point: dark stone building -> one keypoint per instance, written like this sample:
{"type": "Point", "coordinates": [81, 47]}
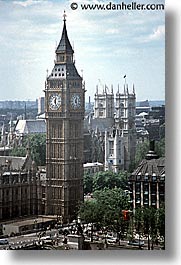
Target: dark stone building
{"type": "Point", "coordinates": [19, 187]}
{"type": "Point", "coordinates": [147, 182]}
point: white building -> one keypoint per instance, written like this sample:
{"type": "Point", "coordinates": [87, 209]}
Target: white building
{"type": "Point", "coordinates": [114, 117]}
{"type": "Point", "coordinates": [41, 105]}
{"type": "Point", "coordinates": [114, 150]}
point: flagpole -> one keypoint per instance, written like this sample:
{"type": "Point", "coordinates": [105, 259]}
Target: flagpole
{"type": "Point", "coordinates": [125, 80]}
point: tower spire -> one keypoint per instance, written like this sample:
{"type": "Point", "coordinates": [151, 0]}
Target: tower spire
{"type": "Point", "coordinates": [64, 16]}
{"type": "Point", "coordinates": [64, 44]}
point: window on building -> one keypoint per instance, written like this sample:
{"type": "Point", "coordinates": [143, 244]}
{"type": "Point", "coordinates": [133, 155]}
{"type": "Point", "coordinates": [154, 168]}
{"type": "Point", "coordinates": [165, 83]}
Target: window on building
{"type": "Point", "coordinates": [162, 178]}
{"type": "Point", "coordinates": [60, 58]}
{"type": "Point", "coordinates": [138, 177]}
{"type": "Point", "coordinates": [154, 178]}
{"type": "Point", "coordinates": [138, 187]}
{"type": "Point", "coordinates": [146, 177]}
{"type": "Point", "coordinates": [119, 151]}
{"type": "Point", "coordinates": [111, 147]}
{"type": "Point", "coordinates": [101, 113]}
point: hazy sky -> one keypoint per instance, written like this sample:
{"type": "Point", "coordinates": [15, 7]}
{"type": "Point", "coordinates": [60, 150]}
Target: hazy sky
{"type": "Point", "coordinates": [107, 44]}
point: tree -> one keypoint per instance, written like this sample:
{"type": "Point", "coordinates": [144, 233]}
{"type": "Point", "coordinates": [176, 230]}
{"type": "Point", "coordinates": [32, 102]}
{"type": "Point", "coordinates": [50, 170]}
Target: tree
{"type": "Point", "coordinates": [104, 179]}
{"type": "Point", "coordinates": [161, 223]}
{"type": "Point", "coordinates": [109, 179]}
{"type": "Point", "coordinates": [88, 183]}
{"type": "Point", "coordinates": [106, 208]}
{"type": "Point", "coordinates": [89, 211]}
{"type": "Point", "coordinates": [143, 148]}
{"type": "Point", "coordinates": [141, 151]}
{"type": "Point", "coordinates": [37, 145]}
{"type": "Point", "coordinates": [151, 223]}
{"type": "Point", "coordinates": [160, 147]}
{"type": "Point", "coordinates": [112, 202]}
{"type": "Point", "coordinates": [18, 151]}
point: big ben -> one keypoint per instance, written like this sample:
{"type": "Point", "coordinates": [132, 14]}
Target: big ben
{"type": "Point", "coordinates": [64, 104]}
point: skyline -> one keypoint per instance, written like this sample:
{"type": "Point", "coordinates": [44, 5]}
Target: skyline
{"type": "Point", "coordinates": [107, 45]}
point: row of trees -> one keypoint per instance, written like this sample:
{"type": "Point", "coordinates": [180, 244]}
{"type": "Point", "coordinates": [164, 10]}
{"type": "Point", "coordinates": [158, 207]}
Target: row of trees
{"type": "Point", "coordinates": [110, 199]}
{"type": "Point", "coordinates": [106, 211]}
{"type": "Point", "coordinates": [105, 179]}
{"type": "Point", "coordinates": [150, 222]}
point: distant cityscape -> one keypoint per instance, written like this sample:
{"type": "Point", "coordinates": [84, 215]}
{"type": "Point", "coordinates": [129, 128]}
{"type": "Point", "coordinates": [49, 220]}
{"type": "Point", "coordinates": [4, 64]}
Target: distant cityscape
{"type": "Point", "coordinates": [20, 104]}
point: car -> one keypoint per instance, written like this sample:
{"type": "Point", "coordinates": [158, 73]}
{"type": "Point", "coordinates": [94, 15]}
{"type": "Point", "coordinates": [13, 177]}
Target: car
{"type": "Point", "coordinates": [95, 238]}
{"type": "Point", "coordinates": [111, 239]}
{"type": "Point", "coordinates": [136, 242]}
{"type": "Point", "coordinates": [46, 238]}
{"type": "Point", "coordinates": [4, 242]}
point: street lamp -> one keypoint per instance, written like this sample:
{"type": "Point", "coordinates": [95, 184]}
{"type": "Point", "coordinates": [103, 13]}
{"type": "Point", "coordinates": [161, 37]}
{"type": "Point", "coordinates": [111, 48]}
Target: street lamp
{"type": "Point", "coordinates": [35, 226]}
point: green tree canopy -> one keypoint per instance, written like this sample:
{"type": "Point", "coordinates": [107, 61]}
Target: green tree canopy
{"type": "Point", "coordinates": [37, 145]}
{"type": "Point", "coordinates": [105, 208]}
{"type": "Point", "coordinates": [150, 222]}
{"type": "Point", "coordinates": [18, 151]}
{"type": "Point", "coordinates": [107, 179]}
{"type": "Point", "coordinates": [143, 148]}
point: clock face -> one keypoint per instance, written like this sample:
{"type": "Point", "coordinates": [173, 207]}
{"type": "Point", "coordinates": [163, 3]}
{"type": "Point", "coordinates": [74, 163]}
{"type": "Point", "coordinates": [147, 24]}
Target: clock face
{"type": "Point", "coordinates": [75, 101]}
{"type": "Point", "coordinates": [54, 101]}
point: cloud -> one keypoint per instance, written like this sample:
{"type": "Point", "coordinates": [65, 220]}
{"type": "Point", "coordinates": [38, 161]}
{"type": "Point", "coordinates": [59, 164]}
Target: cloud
{"type": "Point", "coordinates": [158, 33]}
{"type": "Point", "coordinates": [103, 40]}
{"type": "Point", "coordinates": [112, 31]}
{"type": "Point", "coordinates": [27, 2]}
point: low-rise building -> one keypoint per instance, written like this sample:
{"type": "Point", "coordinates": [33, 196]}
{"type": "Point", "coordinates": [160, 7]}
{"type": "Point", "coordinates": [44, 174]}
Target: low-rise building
{"type": "Point", "coordinates": [92, 168]}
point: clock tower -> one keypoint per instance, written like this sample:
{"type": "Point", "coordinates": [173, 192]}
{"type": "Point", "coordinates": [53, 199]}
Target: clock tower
{"type": "Point", "coordinates": [64, 104]}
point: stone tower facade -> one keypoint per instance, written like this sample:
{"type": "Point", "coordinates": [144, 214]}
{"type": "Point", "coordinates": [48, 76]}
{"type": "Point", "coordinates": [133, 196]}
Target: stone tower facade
{"type": "Point", "coordinates": [114, 117]}
{"type": "Point", "coordinates": [104, 104]}
{"type": "Point", "coordinates": [64, 104]}
{"type": "Point", "coordinates": [114, 150]}
{"type": "Point", "coordinates": [125, 107]}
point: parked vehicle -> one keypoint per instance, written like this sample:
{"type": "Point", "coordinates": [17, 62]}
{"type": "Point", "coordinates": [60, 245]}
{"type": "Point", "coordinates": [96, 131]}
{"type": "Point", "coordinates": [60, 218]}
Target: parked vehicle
{"type": "Point", "coordinates": [111, 239]}
{"type": "Point", "coordinates": [4, 242]}
{"type": "Point", "coordinates": [136, 242]}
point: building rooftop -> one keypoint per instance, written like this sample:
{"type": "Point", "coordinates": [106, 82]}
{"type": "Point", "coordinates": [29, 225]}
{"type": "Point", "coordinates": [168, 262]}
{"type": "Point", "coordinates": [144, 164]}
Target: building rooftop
{"type": "Point", "coordinates": [152, 164]}
{"type": "Point", "coordinates": [30, 126]}
{"type": "Point", "coordinates": [150, 167]}
{"type": "Point", "coordinates": [92, 164]}
{"type": "Point", "coordinates": [64, 44]}
{"type": "Point", "coordinates": [15, 163]}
